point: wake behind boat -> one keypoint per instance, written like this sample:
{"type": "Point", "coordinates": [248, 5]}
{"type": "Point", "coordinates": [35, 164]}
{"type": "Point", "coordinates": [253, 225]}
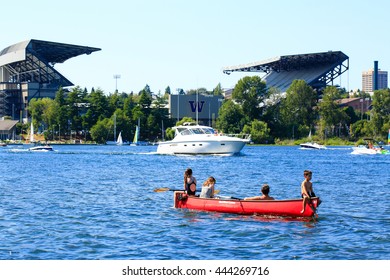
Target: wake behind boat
{"type": "Point", "coordinates": [198, 139]}
{"type": "Point", "coordinates": [283, 208]}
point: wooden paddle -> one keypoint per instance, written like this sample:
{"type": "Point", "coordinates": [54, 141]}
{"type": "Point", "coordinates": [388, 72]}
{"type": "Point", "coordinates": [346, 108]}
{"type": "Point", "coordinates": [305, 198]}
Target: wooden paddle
{"type": "Point", "coordinates": [174, 190]}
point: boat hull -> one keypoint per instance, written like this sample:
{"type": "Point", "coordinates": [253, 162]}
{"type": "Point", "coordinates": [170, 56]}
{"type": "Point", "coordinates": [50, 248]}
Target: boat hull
{"type": "Point", "coordinates": [206, 146]}
{"type": "Point", "coordinates": [41, 149]}
{"type": "Point", "coordinates": [361, 150]}
{"type": "Point", "coordinates": [312, 146]}
{"type": "Point", "coordinates": [284, 208]}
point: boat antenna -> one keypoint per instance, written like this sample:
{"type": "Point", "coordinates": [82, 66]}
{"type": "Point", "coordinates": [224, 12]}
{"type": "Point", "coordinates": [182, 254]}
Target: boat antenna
{"type": "Point", "coordinates": [114, 127]}
{"type": "Point", "coordinates": [197, 105]}
{"type": "Point", "coordinates": [178, 103]}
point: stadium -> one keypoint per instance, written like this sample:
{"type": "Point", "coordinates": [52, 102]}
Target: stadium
{"type": "Point", "coordinates": [27, 71]}
{"type": "Point", "coordinates": [318, 70]}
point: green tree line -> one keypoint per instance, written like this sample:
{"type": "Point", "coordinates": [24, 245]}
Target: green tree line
{"type": "Point", "coordinates": [271, 117]}
{"type": "Point", "coordinates": [92, 116]}
{"type": "Point", "coordinates": [265, 113]}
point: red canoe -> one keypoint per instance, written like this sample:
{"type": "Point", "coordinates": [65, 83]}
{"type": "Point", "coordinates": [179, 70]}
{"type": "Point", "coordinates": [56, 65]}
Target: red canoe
{"type": "Point", "coordinates": [286, 208]}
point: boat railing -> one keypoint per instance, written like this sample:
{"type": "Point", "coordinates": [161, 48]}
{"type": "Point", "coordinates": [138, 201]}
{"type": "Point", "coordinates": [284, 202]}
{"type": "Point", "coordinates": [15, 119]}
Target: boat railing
{"type": "Point", "coordinates": [239, 135]}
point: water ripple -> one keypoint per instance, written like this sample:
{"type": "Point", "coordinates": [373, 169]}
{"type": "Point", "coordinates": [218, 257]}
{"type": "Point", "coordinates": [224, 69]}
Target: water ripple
{"type": "Point", "coordinates": [97, 202]}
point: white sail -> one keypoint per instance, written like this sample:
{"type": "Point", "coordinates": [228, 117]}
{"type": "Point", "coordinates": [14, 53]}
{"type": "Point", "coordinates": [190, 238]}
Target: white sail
{"type": "Point", "coordinates": [32, 132]}
{"type": "Point", "coordinates": [136, 135]}
{"type": "Point", "coordinates": [119, 141]}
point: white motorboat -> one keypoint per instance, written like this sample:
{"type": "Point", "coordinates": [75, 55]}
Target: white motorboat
{"type": "Point", "coordinates": [312, 145]}
{"type": "Point", "coordinates": [364, 150]}
{"type": "Point", "coordinates": [45, 148]}
{"type": "Point", "coordinates": [198, 139]}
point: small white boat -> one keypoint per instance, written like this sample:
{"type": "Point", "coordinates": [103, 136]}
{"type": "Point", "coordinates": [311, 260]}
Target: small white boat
{"type": "Point", "coordinates": [364, 150]}
{"type": "Point", "coordinates": [197, 139]}
{"type": "Point", "coordinates": [44, 148]}
{"type": "Point", "coordinates": [312, 145]}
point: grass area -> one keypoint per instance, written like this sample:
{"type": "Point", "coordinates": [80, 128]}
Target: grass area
{"type": "Point", "coordinates": [327, 142]}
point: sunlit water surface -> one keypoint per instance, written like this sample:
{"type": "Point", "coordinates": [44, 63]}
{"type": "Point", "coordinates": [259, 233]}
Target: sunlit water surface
{"type": "Point", "coordinates": [97, 202]}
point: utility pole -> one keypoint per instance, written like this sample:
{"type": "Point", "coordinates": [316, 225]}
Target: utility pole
{"type": "Point", "coordinates": [116, 77]}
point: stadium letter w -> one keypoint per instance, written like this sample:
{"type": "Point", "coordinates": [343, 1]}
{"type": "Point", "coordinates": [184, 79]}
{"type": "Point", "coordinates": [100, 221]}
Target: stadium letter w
{"type": "Point", "coordinates": [193, 106]}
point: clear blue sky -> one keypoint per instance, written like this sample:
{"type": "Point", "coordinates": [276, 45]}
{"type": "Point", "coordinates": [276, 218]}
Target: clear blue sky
{"type": "Point", "coordinates": [185, 44]}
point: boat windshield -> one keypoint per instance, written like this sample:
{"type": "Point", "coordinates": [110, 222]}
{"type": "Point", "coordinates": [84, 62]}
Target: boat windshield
{"type": "Point", "coordinates": [184, 131]}
{"type": "Point", "coordinates": [208, 130]}
{"type": "Point", "coordinates": [197, 131]}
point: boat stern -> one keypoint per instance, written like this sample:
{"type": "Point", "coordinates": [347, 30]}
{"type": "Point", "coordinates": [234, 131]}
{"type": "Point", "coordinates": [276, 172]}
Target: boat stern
{"type": "Point", "coordinates": [179, 199]}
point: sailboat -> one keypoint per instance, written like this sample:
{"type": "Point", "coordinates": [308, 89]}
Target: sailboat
{"type": "Point", "coordinates": [32, 132]}
{"type": "Point", "coordinates": [136, 137]}
{"type": "Point", "coordinates": [119, 141]}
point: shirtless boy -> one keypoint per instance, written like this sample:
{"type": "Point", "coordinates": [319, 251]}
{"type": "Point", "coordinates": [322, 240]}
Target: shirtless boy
{"type": "Point", "coordinates": [265, 196]}
{"type": "Point", "coordinates": [307, 189]}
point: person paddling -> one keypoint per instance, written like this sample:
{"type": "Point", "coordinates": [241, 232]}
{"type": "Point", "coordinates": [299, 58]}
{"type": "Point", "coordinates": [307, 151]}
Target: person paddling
{"type": "Point", "coordinates": [189, 182]}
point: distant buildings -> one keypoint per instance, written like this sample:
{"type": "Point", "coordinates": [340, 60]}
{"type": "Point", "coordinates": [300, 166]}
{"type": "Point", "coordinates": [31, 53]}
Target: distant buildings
{"type": "Point", "coordinates": [374, 79]}
{"type": "Point", "coordinates": [201, 107]}
{"type": "Point", "coordinates": [357, 103]}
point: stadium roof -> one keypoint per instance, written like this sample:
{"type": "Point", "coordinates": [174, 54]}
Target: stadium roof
{"type": "Point", "coordinates": [317, 69]}
{"type": "Point", "coordinates": [33, 61]}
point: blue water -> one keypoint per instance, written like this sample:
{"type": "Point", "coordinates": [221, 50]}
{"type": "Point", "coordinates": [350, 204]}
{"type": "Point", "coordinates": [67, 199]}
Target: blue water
{"type": "Point", "coordinates": [97, 202]}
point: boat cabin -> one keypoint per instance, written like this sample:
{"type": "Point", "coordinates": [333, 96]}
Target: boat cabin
{"type": "Point", "coordinates": [190, 129]}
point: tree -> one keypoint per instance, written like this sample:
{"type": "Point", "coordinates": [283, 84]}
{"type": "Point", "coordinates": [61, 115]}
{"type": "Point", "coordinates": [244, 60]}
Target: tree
{"type": "Point", "coordinates": [381, 112]}
{"type": "Point", "coordinates": [250, 92]}
{"type": "Point", "coordinates": [128, 106]}
{"type": "Point", "coordinates": [145, 100]}
{"type": "Point", "coordinates": [218, 90]}
{"type": "Point", "coordinates": [362, 128]}
{"type": "Point", "coordinates": [167, 90]}
{"type": "Point", "coordinates": [62, 110]}
{"type": "Point", "coordinates": [297, 109]}
{"type": "Point", "coordinates": [75, 102]}
{"type": "Point", "coordinates": [231, 117]}
{"type": "Point", "coordinates": [259, 131]}
{"type": "Point", "coordinates": [115, 101]}
{"type": "Point", "coordinates": [43, 112]}
{"type": "Point", "coordinates": [271, 114]}
{"type": "Point", "coordinates": [98, 107]}
{"type": "Point", "coordinates": [331, 115]}
{"type": "Point", "coordinates": [101, 130]}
